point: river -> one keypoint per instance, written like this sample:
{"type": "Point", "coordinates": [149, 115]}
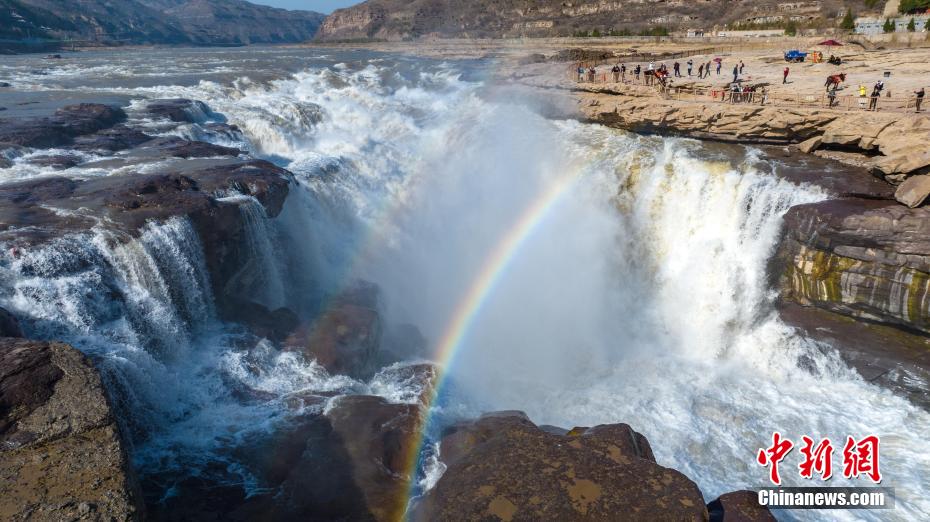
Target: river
{"type": "Point", "coordinates": [619, 278]}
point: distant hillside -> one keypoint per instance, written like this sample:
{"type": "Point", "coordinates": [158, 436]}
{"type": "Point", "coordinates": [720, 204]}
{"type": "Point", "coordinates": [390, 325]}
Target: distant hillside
{"type": "Point", "coordinates": [202, 22]}
{"type": "Point", "coordinates": [403, 19]}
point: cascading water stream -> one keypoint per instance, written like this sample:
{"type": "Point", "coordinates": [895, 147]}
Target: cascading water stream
{"type": "Point", "coordinates": [640, 295]}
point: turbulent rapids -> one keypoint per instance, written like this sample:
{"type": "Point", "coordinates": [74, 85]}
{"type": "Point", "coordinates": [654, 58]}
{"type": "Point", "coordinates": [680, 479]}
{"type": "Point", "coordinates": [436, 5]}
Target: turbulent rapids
{"type": "Point", "coordinates": [580, 274]}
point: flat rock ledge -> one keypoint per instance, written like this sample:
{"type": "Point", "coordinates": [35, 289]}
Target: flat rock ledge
{"type": "Point", "coordinates": [891, 145]}
{"type": "Point", "coordinates": [61, 456]}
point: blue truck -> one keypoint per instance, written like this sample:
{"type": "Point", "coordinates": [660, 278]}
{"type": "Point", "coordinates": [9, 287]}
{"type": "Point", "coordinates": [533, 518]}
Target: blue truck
{"type": "Point", "coordinates": [795, 55]}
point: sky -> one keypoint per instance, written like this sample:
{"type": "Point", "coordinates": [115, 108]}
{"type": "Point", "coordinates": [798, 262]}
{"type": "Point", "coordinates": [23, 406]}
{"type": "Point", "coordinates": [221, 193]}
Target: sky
{"type": "Point", "coordinates": [321, 6]}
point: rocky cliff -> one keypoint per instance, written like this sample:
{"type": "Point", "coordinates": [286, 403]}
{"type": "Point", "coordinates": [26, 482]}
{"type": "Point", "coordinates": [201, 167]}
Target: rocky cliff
{"type": "Point", "coordinates": [155, 21]}
{"type": "Point", "coordinates": [402, 19]}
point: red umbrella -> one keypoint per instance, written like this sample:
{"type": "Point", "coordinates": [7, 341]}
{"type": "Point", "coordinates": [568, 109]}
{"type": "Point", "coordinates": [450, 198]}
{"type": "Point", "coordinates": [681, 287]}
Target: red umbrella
{"type": "Point", "coordinates": [718, 59]}
{"type": "Point", "coordinates": [830, 43]}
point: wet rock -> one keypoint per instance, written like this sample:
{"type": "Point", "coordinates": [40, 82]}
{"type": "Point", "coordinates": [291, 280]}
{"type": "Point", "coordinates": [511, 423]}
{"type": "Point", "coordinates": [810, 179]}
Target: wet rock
{"type": "Point", "coordinates": [739, 506]}
{"type": "Point", "coordinates": [346, 336]}
{"type": "Point", "coordinates": [61, 456]}
{"type": "Point", "coordinates": [274, 325]}
{"type": "Point", "coordinates": [60, 129]}
{"type": "Point", "coordinates": [112, 140]}
{"type": "Point", "coordinates": [181, 148]}
{"type": "Point", "coordinates": [180, 110]}
{"type": "Point", "coordinates": [914, 191]}
{"type": "Point", "coordinates": [884, 355]}
{"type": "Point", "coordinates": [350, 464]}
{"type": "Point", "coordinates": [58, 161]}
{"type": "Point", "coordinates": [9, 324]}
{"type": "Point", "coordinates": [867, 259]}
{"type": "Point", "coordinates": [504, 467]}
{"type": "Point", "coordinates": [405, 382]}
{"type": "Point", "coordinates": [127, 202]}
{"type": "Point", "coordinates": [4, 85]}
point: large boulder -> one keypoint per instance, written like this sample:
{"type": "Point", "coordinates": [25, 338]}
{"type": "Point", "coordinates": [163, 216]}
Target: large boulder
{"type": "Point", "coordinates": [346, 336]}
{"type": "Point", "coordinates": [61, 128]}
{"type": "Point", "coordinates": [914, 191]}
{"type": "Point", "coordinates": [504, 467]}
{"type": "Point", "coordinates": [351, 463]}
{"type": "Point", "coordinates": [61, 456]}
{"type": "Point", "coordinates": [739, 506]}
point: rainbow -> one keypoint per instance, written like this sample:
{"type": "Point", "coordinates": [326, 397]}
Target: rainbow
{"type": "Point", "coordinates": [471, 304]}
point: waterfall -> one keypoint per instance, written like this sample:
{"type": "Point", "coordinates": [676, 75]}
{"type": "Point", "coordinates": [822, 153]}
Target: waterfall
{"type": "Point", "coordinates": [640, 295]}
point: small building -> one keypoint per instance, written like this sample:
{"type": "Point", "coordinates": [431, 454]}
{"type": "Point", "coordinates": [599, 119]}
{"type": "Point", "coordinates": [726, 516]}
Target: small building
{"type": "Point", "coordinates": [695, 33]}
{"type": "Point", "coordinates": [757, 33]}
{"type": "Point", "coordinates": [870, 25]}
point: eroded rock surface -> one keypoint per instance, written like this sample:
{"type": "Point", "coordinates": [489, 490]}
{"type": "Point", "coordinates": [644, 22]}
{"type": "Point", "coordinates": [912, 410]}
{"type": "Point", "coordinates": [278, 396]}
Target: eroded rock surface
{"type": "Point", "coordinates": [61, 456]}
{"type": "Point", "coordinates": [504, 467]}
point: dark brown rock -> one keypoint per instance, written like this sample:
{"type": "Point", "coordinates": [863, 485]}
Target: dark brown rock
{"type": "Point", "coordinates": [503, 467]}
{"type": "Point", "coordinates": [739, 506]}
{"type": "Point", "coordinates": [180, 110]}
{"type": "Point", "coordinates": [58, 162]}
{"type": "Point", "coordinates": [181, 148]}
{"type": "Point", "coordinates": [129, 201]}
{"type": "Point", "coordinates": [115, 139]}
{"type": "Point", "coordinates": [60, 129]}
{"type": "Point", "coordinates": [346, 336]}
{"type": "Point", "coordinates": [350, 464]}
{"type": "Point", "coordinates": [884, 355]}
{"type": "Point", "coordinates": [9, 325]}
{"type": "Point", "coordinates": [274, 325]}
{"type": "Point", "coordinates": [61, 456]}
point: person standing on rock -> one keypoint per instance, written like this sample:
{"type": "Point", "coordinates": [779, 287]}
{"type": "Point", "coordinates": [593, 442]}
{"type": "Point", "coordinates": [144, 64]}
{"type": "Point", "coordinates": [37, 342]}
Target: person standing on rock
{"type": "Point", "coordinates": [919, 98]}
{"type": "Point", "coordinates": [741, 65]}
{"type": "Point", "coordinates": [616, 71]}
{"type": "Point", "coordinates": [719, 66]}
{"type": "Point", "coordinates": [707, 70]}
{"type": "Point", "coordinates": [831, 95]}
{"type": "Point", "coordinates": [580, 72]}
{"type": "Point", "coordinates": [677, 68]}
{"type": "Point", "coordinates": [735, 73]}
{"type": "Point", "coordinates": [623, 72]}
{"type": "Point", "coordinates": [876, 93]}
{"type": "Point", "coordinates": [636, 72]}
{"type": "Point", "coordinates": [690, 66]}
{"type": "Point", "coordinates": [784, 79]}
{"type": "Point", "coordinates": [701, 71]}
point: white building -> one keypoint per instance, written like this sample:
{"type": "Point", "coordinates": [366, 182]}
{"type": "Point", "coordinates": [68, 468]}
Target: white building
{"type": "Point", "coordinates": [869, 25]}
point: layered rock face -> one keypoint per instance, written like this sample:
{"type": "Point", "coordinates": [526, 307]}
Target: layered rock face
{"type": "Point", "coordinates": [868, 259]}
{"type": "Point", "coordinates": [504, 467]}
{"type": "Point", "coordinates": [61, 457]}
{"type": "Point", "coordinates": [398, 19]}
